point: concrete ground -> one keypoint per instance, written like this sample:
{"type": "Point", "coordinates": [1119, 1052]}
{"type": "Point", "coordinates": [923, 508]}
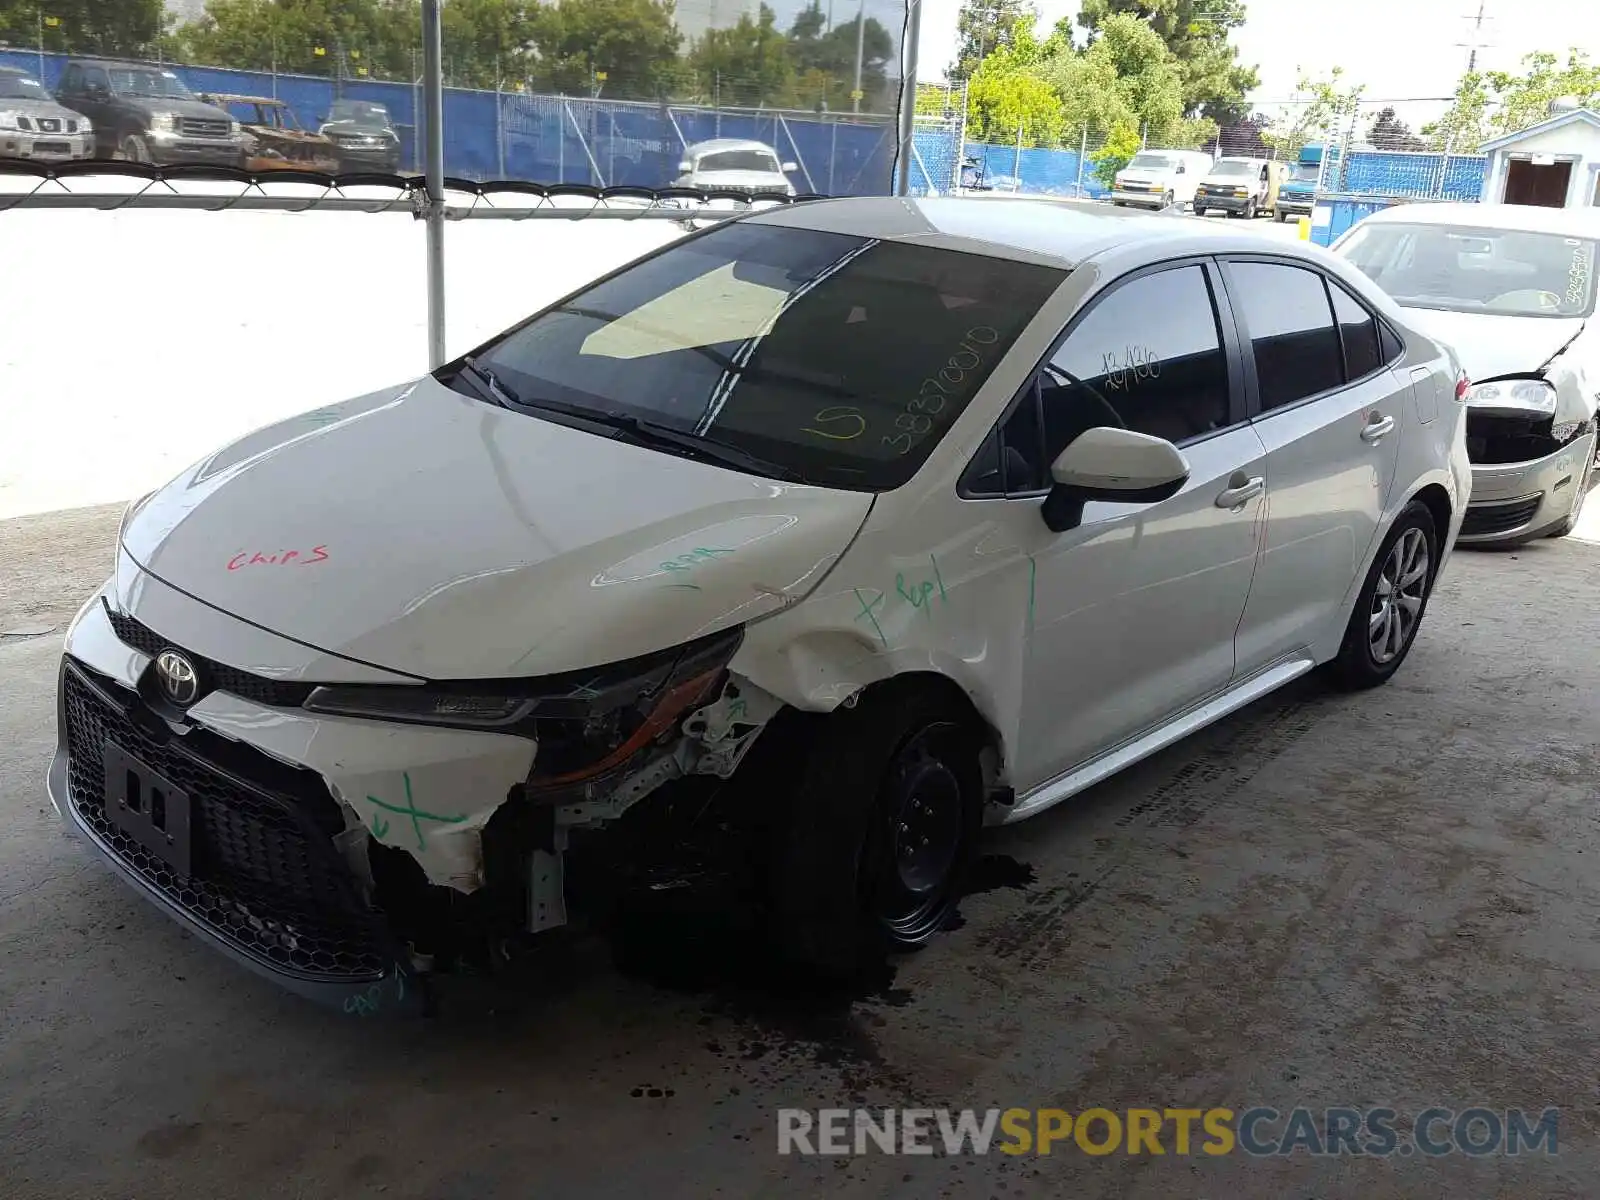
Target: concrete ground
{"type": "Point", "coordinates": [1386, 899]}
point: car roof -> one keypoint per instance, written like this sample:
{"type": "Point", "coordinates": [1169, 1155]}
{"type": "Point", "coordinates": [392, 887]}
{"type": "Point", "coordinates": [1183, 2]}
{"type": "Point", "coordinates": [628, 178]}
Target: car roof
{"type": "Point", "coordinates": [728, 144]}
{"type": "Point", "coordinates": [121, 64]}
{"type": "Point", "coordinates": [233, 99]}
{"type": "Point", "coordinates": [18, 71]}
{"type": "Point", "coordinates": [1525, 217]}
{"type": "Point", "coordinates": [1062, 232]}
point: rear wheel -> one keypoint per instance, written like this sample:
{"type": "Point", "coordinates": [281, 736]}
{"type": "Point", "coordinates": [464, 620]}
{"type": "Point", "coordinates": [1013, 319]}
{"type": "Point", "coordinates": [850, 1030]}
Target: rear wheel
{"type": "Point", "coordinates": [881, 830]}
{"type": "Point", "coordinates": [1391, 603]}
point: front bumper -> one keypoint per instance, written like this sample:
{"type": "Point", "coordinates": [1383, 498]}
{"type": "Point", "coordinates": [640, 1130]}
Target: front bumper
{"type": "Point", "coordinates": [1301, 205]}
{"type": "Point", "coordinates": [1221, 203]}
{"type": "Point", "coordinates": [46, 147]}
{"type": "Point", "coordinates": [1144, 199]}
{"type": "Point", "coordinates": [369, 158]}
{"type": "Point", "coordinates": [275, 876]}
{"type": "Point", "coordinates": [216, 152]}
{"type": "Point", "coordinates": [1517, 502]}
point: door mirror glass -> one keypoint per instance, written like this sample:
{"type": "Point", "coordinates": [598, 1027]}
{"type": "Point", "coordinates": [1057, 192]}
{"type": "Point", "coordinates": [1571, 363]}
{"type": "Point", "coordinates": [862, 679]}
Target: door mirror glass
{"type": "Point", "coordinates": [684, 167]}
{"type": "Point", "coordinates": [789, 166]}
{"type": "Point", "coordinates": [1120, 465]}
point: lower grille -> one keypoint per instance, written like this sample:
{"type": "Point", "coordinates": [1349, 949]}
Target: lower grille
{"type": "Point", "coordinates": [52, 148]}
{"type": "Point", "coordinates": [1499, 518]}
{"type": "Point", "coordinates": [266, 877]}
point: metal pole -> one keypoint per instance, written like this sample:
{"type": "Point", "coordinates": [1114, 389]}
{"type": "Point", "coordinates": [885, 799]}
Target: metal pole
{"type": "Point", "coordinates": [433, 139]}
{"type": "Point", "coordinates": [1017, 169]}
{"type": "Point", "coordinates": [499, 124]}
{"type": "Point", "coordinates": [1083, 154]}
{"type": "Point", "coordinates": [908, 99]}
{"type": "Point", "coordinates": [861, 40]}
{"type": "Point", "coordinates": [41, 45]}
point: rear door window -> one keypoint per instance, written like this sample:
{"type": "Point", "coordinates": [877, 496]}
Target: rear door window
{"type": "Point", "coordinates": [1358, 334]}
{"type": "Point", "coordinates": [1286, 312]}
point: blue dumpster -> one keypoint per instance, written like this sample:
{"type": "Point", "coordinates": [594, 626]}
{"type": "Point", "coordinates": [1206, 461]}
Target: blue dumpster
{"type": "Point", "coordinates": [1334, 213]}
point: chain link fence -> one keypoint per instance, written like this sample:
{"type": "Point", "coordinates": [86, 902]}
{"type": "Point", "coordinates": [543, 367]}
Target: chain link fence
{"type": "Point", "coordinates": [570, 102]}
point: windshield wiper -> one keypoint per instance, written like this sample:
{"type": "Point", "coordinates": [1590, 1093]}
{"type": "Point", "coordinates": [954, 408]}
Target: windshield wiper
{"type": "Point", "coordinates": [487, 384]}
{"type": "Point", "coordinates": [649, 433]}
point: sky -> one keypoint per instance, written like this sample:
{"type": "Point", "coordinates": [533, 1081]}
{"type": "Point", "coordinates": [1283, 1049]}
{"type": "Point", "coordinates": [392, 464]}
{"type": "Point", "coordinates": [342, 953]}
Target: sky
{"type": "Point", "coordinates": [1398, 48]}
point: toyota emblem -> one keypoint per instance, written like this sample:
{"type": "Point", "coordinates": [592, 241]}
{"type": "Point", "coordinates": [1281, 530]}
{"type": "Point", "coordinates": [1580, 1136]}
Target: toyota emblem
{"type": "Point", "coordinates": [179, 680]}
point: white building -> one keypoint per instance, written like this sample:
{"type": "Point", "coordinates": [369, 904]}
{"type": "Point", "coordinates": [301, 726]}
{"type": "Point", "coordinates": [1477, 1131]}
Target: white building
{"type": "Point", "coordinates": [1555, 163]}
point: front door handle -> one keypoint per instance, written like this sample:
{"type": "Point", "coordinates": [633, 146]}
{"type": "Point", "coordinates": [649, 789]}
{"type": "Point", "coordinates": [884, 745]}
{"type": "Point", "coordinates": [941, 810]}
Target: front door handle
{"type": "Point", "coordinates": [1376, 427]}
{"type": "Point", "coordinates": [1241, 491]}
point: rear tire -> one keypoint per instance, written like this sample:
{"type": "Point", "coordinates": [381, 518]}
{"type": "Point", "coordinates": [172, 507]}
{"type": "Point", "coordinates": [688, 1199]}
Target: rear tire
{"type": "Point", "coordinates": [880, 832]}
{"type": "Point", "coordinates": [1391, 604]}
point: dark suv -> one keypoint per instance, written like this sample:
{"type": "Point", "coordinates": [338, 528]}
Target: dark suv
{"type": "Point", "coordinates": [143, 113]}
{"type": "Point", "coordinates": [364, 135]}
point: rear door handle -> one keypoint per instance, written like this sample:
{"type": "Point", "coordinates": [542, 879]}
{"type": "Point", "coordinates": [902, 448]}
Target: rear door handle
{"type": "Point", "coordinates": [1376, 428]}
{"type": "Point", "coordinates": [1241, 494]}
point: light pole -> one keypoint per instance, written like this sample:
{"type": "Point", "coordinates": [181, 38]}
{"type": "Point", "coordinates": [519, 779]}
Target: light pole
{"type": "Point", "coordinates": [433, 142]}
{"type": "Point", "coordinates": [861, 41]}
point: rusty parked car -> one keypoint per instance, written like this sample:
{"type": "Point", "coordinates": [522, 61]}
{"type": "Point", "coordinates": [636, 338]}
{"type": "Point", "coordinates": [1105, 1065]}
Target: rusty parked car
{"type": "Point", "coordinates": [278, 141]}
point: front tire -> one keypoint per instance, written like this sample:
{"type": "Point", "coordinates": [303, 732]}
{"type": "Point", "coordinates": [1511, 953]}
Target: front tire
{"type": "Point", "coordinates": [133, 149]}
{"type": "Point", "coordinates": [1199, 211]}
{"type": "Point", "coordinates": [1392, 601]}
{"type": "Point", "coordinates": [1168, 200]}
{"type": "Point", "coordinates": [881, 830]}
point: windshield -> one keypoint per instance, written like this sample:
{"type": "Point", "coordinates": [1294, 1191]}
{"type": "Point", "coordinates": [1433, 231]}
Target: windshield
{"type": "Point", "coordinates": [837, 359]}
{"type": "Point", "coordinates": [1305, 172]}
{"type": "Point", "coordinates": [1149, 162]}
{"type": "Point", "coordinates": [1497, 272]}
{"type": "Point", "coordinates": [20, 87]}
{"type": "Point", "coordinates": [1233, 167]}
{"type": "Point", "coordinates": [360, 112]}
{"type": "Point", "coordinates": [137, 81]}
{"type": "Point", "coordinates": [738, 160]}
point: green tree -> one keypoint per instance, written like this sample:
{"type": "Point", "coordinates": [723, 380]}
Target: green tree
{"type": "Point", "coordinates": [82, 26]}
{"type": "Point", "coordinates": [314, 37]}
{"type": "Point", "coordinates": [983, 26]}
{"type": "Point", "coordinates": [1214, 83]}
{"type": "Point", "coordinates": [746, 65]}
{"type": "Point", "coordinates": [1325, 114]}
{"type": "Point", "coordinates": [1120, 146]}
{"type": "Point", "coordinates": [1464, 125]}
{"type": "Point", "coordinates": [825, 62]}
{"type": "Point", "coordinates": [1523, 98]}
{"type": "Point", "coordinates": [1009, 95]}
{"type": "Point", "coordinates": [634, 43]}
{"type": "Point", "coordinates": [1149, 80]}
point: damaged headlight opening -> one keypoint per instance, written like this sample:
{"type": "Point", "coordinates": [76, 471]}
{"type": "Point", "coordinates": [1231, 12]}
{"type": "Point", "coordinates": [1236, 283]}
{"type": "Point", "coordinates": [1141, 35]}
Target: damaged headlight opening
{"type": "Point", "coordinates": [1522, 395]}
{"type": "Point", "coordinates": [585, 722]}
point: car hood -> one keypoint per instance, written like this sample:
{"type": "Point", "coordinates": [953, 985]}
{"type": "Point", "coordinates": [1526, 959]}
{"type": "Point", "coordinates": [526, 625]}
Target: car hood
{"type": "Point", "coordinates": [1492, 346]}
{"type": "Point", "coordinates": [426, 532]}
{"type": "Point", "coordinates": [150, 105]}
{"type": "Point", "coordinates": [41, 108]}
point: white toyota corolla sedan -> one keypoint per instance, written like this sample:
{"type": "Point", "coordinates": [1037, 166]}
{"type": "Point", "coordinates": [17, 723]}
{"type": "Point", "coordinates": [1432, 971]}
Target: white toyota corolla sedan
{"type": "Point", "coordinates": [861, 522]}
{"type": "Point", "coordinates": [1511, 287]}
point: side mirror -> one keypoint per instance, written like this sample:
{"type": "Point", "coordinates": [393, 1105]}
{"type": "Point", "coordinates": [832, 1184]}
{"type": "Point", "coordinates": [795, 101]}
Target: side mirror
{"type": "Point", "coordinates": [322, 120]}
{"type": "Point", "coordinates": [1111, 464]}
{"type": "Point", "coordinates": [789, 166]}
{"type": "Point", "coordinates": [684, 168]}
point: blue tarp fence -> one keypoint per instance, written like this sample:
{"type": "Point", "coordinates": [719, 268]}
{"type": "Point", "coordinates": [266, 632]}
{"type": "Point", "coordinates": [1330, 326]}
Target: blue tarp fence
{"type": "Point", "coordinates": [554, 139]}
{"type": "Point", "coordinates": [1365, 172]}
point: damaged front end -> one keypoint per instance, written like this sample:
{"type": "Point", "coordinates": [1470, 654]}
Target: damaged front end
{"type": "Point", "coordinates": [604, 740]}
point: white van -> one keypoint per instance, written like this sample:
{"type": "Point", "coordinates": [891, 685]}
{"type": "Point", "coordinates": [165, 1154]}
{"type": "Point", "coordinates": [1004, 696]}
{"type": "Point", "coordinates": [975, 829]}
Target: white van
{"type": "Point", "coordinates": [1241, 187]}
{"type": "Point", "coordinates": [1158, 178]}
